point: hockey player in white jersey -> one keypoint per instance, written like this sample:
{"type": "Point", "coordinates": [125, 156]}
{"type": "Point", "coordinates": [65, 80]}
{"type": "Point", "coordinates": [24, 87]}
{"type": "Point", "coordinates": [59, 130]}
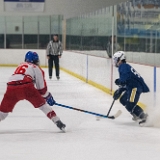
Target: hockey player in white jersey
{"type": "Point", "coordinates": [28, 82]}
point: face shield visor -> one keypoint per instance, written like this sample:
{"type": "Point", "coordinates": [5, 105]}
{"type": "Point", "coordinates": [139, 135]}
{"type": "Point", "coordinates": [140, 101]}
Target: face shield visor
{"type": "Point", "coordinates": [115, 61]}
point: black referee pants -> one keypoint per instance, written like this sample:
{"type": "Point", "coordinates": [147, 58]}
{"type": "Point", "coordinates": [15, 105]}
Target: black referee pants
{"type": "Point", "coordinates": [54, 59]}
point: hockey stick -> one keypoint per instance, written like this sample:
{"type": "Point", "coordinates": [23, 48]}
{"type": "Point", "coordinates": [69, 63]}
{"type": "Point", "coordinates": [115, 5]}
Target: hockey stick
{"type": "Point", "coordinates": [110, 108]}
{"type": "Point", "coordinates": [93, 113]}
{"type": "Point", "coordinates": [114, 116]}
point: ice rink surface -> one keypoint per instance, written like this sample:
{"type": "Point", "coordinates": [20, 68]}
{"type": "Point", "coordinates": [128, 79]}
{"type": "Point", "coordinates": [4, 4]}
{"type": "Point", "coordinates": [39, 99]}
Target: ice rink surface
{"type": "Point", "coordinates": [26, 134]}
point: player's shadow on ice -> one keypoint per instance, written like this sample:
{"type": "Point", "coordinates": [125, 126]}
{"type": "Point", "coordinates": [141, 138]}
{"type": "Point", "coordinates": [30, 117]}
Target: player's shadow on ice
{"type": "Point", "coordinates": [29, 131]}
{"type": "Point", "coordinates": [130, 124]}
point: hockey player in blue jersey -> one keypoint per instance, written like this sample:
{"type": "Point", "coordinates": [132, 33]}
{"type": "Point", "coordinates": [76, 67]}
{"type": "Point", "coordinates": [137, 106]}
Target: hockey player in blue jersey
{"type": "Point", "coordinates": [131, 84]}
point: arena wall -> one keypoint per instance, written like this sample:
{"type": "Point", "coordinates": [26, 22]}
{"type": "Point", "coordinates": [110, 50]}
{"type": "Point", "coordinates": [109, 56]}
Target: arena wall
{"type": "Point", "coordinates": [94, 70]}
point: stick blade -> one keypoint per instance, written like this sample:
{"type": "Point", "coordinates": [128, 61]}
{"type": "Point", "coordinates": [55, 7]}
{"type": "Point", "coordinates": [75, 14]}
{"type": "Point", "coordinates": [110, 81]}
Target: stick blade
{"type": "Point", "coordinates": [119, 112]}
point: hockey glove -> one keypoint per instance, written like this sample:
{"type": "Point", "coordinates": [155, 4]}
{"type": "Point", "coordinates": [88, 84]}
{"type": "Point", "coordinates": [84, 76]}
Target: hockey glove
{"type": "Point", "coordinates": [117, 94]}
{"type": "Point", "coordinates": [49, 99]}
{"type": "Point", "coordinates": [119, 83]}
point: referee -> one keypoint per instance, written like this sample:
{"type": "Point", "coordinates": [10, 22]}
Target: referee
{"type": "Point", "coordinates": [54, 52]}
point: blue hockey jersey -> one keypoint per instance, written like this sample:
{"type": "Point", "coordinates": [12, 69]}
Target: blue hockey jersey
{"type": "Point", "coordinates": [131, 78]}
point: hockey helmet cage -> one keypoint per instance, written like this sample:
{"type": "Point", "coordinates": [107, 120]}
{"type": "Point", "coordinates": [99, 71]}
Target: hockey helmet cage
{"type": "Point", "coordinates": [119, 55]}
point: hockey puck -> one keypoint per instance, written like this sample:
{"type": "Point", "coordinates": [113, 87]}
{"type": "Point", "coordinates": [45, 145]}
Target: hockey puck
{"type": "Point", "coordinates": [97, 118]}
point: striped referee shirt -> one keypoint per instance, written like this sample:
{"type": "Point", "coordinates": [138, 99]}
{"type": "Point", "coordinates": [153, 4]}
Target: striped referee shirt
{"type": "Point", "coordinates": [54, 48]}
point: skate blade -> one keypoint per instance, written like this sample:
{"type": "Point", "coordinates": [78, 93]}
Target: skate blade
{"type": "Point", "coordinates": [63, 130]}
{"type": "Point", "coordinates": [142, 123]}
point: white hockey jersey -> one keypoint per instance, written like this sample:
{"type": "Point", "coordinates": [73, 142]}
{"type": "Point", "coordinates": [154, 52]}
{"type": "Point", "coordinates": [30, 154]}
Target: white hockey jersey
{"type": "Point", "coordinates": [28, 72]}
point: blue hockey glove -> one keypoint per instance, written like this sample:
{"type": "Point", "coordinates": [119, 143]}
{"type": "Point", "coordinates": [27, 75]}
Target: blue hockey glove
{"type": "Point", "coordinates": [117, 94]}
{"type": "Point", "coordinates": [50, 100]}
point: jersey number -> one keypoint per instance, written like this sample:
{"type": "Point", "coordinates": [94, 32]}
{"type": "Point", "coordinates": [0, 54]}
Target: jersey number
{"type": "Point", "coordinates": [21, 69]}
{"type": "Point", "coordinates": [135, 72]}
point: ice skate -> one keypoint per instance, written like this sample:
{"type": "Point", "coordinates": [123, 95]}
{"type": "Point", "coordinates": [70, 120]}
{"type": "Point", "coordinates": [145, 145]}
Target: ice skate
{"type": "Point", "coordinates": [60, 125]}
{"type": "Point", "coordinates": [135, 118]}
{"type": "Point", "coordinates": [143, 120]}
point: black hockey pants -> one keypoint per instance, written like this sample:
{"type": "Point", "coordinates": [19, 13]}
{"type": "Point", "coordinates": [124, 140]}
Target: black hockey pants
{"type": "Point", "coordinates": [50, 65]}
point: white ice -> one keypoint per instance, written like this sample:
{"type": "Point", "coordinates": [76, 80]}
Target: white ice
{"type": "Point", "coordinates": [26, 134]}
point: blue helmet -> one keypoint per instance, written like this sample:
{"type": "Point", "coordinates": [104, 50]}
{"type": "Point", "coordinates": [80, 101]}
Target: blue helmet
{"type": "Point", "coordinates": [32, 57]}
